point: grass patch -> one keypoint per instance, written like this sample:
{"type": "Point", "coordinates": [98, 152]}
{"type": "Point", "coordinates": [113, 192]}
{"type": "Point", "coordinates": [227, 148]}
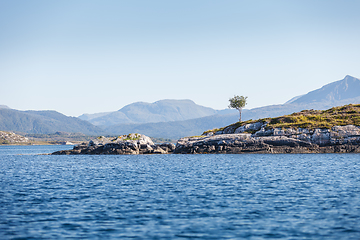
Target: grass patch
{"type": "Point", "coordinates": [135, 136]}
{"type": "Point", "coordinates": [336, 116]}
{"type": "Point", "coordinates": [202, 136]}
{"type": "Point", "coordinates": [311, 119]}
{"type": "Point", "coordinates": [213, 130]}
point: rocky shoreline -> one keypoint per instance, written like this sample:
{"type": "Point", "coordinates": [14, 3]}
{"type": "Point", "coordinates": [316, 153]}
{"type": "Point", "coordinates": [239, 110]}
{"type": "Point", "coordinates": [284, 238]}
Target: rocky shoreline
{"type": "Point", "coordinates": [242, 143]}
{"type": "Point", "coordinates": [338, 139]}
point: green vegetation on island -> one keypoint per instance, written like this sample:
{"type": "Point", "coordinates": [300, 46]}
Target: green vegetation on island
{"type": "Point", "coordinates": [310, 119]}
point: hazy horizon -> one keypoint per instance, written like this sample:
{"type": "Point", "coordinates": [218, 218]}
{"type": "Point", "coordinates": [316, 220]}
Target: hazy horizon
{"type": "Point", "coordinates": [91, 56]}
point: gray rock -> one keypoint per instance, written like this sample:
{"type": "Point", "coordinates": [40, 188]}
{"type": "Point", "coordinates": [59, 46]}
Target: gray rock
{"type": "Point", "coordinates": [346, 131]}
{"type": "Point", "coordinates": [250, 127]}
{"type": "Point", "coordinates": [125, 144]}
{"type": "Point", "coordinates": [264, 132]}
{"type": "Point", "coordinates": [321, 137]}
{"type": "Point", "coordinates": [340, 139]}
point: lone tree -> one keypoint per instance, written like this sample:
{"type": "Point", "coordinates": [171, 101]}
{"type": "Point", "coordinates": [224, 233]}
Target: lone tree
{"type": "Point", "coordinates": [238, 102]}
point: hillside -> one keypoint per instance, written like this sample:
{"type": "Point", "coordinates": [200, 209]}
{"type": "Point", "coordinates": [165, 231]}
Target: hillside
{"type": "Point", "coordinates": [306, 119]}
{"type": "Point", "coordinates": [336, 130]}
{"type": "Point", "coordinates": [44, 122]}
{"type": "Point", "coordinates": [4, 106]}
{"type": "Point", "coordinates": [160, 111]}
{"type": "Point", "coordinates": [311, 119]}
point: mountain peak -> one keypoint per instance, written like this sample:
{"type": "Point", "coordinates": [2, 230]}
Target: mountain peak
{"type": "Point", "coordinates": [160, 111]}
{"type": "Point", "coordinates": [347, 88]}
{"type": "Point", "coordinates": [175, 101]}
{"type": "Point", "coordinates": [4, 106]}
{"type": "Point", "coordinates": [349, 77]}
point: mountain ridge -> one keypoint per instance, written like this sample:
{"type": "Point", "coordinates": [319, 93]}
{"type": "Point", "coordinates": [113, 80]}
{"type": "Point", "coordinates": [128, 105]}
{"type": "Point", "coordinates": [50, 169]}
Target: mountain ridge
{"type": "Point", "coordinates": [347, 88]}
{"type": "Point", "coordinates": [165, 110]}
{"type": "Point", "coordinates": [185, 122]}
{"type": "Point", "coordinates": [44, 122]}
{"type": "Point", "coordinates": [197, 126]}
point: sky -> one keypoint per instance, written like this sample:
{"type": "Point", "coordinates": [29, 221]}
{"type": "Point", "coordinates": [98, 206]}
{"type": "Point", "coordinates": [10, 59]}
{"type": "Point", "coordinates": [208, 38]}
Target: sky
{"type": "Point", "coordinates": [89, 56]}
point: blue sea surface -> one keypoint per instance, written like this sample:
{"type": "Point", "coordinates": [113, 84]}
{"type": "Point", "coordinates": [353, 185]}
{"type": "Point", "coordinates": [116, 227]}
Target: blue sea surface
{"type": "Point", "coordinates": [246, 196]}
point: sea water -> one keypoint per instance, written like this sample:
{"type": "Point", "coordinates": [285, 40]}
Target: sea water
{"type": "Point", "coordinates": [246, 196]}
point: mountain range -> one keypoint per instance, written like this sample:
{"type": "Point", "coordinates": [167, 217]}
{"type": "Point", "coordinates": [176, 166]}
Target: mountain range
{"type": "Point", "coordinates": [172, 118]}
{"type": "Point", "coordinates": [160, 111]}
{"type": "Point", "coordinates": [342, 92]}
{"type": "Point", "coordinates": [44, 122]}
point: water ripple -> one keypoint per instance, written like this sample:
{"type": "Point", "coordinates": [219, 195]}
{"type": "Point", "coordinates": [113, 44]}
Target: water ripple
{"type": "Point", "coordinates": [180, 196]}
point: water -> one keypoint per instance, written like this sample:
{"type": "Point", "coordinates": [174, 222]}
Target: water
{"type": "Point", "coordinates": [296, 196]}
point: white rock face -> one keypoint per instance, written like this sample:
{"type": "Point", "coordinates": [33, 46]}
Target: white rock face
{"type": "Point", "coordinates": [130, 139]}
{"type": "Point", "coordinates": [321, 136]}
{"type": "Point", "coordinates": [336, 135]}
{"type": "Point", "coordinates": [249, 127]}
{"type": "Point", "coordinates": [346, 131]}
{"type": "Point", "coordinates": [12, 138]}
{"type": "Point", "coordinates": [264, 132]}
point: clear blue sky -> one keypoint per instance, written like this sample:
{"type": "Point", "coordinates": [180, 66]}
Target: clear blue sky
{"type": "Point", "coordinates": [89, 56]}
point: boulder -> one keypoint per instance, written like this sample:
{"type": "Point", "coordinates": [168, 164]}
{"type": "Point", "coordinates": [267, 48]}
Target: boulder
{"type": "Point", "coordinates": [249, 127]}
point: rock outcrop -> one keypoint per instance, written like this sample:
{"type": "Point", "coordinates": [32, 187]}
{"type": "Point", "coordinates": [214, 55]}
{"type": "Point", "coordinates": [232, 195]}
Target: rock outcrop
{"type": "Point", "coordinates": [256, 138]}
{"type": "Point", "coordinates": [125, 144]}
{"type": "Point", "coordinates": [12, 138]}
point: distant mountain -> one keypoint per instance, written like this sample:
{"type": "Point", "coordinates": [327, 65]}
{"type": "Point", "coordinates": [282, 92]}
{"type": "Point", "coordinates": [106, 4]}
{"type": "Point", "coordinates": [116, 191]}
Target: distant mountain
{"type": "Point", "coordinates": [175, 129]}
{"type": "Point", "coordinates": [335, 92]}
{"type": "Point", "coordinates": [294, 99]}
{"type": "Point", "coordinates": [173, 118]}
{"type": "Point", "coordinates": [195, 127]}
{"type": "Point", "coordinates": [4, 106]}
{"type": "Point", "coordinates": [88, 117]}
{"type": "Point", "coordinates": [160, 111]}
{"type": "Point", "coordinates": [44, 122]}
{"type": "Point", "coordinates": [338, 93]}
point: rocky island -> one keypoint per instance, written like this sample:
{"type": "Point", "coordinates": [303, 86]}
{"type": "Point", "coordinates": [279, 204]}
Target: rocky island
{"type": "Point", "coordinates": [336, 130]}
{"type": "Point", "coordinates": [126, 144]}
